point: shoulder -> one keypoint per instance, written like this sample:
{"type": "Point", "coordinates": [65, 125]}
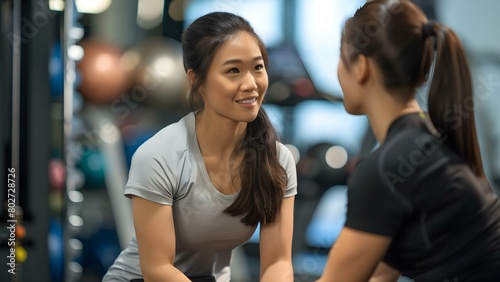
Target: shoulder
{"type": "Point", "coordinates": [285, 156]}
{"type": "Point", "coordinates": [170, 142]}
{"type": "Point", "coordinates": [175, 134]}
{"type": "Point", "coordinates": [410, 150]}
{"type": "Point", "coordinates": [282, 149]}
{"type": "Point", "coordinates": [287, 161]}
{"type": "Point", "coordinates": [365, 174]}
{"type": "Point", "coordinates": [397, 165]}
{"type": "Point", "coordinates": [390, 170]}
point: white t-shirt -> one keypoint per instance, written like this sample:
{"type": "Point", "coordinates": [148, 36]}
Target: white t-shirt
{"type": "Point", "coordinates": [169, 169]}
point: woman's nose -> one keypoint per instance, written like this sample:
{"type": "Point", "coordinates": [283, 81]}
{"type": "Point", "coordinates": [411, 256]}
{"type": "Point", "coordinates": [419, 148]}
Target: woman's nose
{"type": "Point", "coordinates": [249, 83]}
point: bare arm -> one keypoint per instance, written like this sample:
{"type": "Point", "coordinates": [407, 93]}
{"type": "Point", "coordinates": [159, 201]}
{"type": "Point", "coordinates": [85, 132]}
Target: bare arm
{"type": "Point", "coordinates": [385, 273]}
{"type": "Point", "coordinates": [354, 256]}
{"type": "Point", "coordinates": [276, 246]}
{"type": "Point", "coordinates": [154, 228]}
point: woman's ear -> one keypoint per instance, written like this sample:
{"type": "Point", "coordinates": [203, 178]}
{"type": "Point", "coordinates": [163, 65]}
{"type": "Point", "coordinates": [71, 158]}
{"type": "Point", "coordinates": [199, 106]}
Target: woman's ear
{"type": "Point", "coordinates": [361, 69]}
{"type": "Point", "coordinates": [191, 76]}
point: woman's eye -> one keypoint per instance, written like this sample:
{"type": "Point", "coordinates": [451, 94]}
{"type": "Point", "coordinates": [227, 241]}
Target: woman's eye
{"type": "Point", "coordinates": [233, 70]}
{"type": "Point", "coordinates": [259, 67]}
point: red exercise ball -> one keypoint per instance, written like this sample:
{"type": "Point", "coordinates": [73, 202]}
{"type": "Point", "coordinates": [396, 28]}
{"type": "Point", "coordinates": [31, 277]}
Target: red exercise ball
{"type": "Point", "coordinates": [104, 78]}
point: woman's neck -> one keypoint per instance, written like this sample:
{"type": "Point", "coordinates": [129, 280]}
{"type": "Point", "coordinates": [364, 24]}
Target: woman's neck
{"type": "Point", "coordinates": [217, 135]}
{"type": "Point", "coordinates": [384, 110]}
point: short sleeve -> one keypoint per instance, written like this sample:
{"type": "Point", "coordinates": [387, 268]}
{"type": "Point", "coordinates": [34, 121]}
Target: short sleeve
{"type": "Point", "coordinates": [371, 206]}
{"type": "Point", "coordinates": [150, 178]}
{"type": "Point", "coordinates": [288, 163]}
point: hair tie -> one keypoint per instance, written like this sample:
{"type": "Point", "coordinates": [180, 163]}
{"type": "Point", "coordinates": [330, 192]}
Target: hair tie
{"type": "Point", "coordinates": [428, 29]}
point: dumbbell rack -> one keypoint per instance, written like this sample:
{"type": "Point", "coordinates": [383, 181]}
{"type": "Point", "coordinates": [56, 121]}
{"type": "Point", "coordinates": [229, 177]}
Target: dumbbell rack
{"type": "Point", "coordinates": [27, 29]}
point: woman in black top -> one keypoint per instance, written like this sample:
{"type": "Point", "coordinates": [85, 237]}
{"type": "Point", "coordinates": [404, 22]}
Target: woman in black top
{"type": "Point", "coordinates": [420, 204]}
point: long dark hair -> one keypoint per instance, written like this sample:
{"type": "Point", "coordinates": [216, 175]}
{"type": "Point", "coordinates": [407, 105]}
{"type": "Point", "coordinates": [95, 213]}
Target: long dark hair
{"type": "Point", "coordinates": [263, 179]}
{"type": "Point", "coordinates": [400, 39]}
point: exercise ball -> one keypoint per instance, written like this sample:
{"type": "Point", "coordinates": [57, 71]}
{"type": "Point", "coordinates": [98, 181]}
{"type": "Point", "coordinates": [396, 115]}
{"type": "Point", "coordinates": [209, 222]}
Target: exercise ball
{"type": "Point", "coordinates": [158, 72]}
{"type": "Point", "coordinates": [103, 76]}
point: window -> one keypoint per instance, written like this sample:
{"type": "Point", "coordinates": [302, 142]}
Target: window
{"type": "Point", "coordinates": [317, 37]}
{"type": "Point", "coordinates": [264, 15]}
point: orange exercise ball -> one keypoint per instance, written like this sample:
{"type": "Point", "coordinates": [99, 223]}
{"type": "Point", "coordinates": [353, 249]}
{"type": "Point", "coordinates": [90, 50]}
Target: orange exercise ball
{"type": "Point", "coordinates": [104, 77]}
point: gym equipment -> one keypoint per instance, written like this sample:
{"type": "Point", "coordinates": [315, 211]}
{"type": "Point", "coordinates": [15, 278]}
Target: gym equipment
{"type": "Point", "coordinates": [78, 127]}
{"type": "Point", "coordinates": [133, 139]}
{"type": "Point", "coordinates": [20, 231]}
{"type": "Point", "coordinates": [74, 271]}
{"type": "Point", "coordinates": [326, 164]}
{"type": "Point", "coordinates": [100, 250]}
{"type": "Point", "coordinates": [57, 174]}
{"type": "Point", "coordinates": [277, 92]}
{"type": "Point", "coordinates": [75, 178]}
{"type": "Point", "coordinates": [93, 165]}
{"type": "Point", "coordinates": [103, 76]}
{"type": "Point", "coordinates": [56, 70]}
{"type": "Point", "coordinates": [56, 202]}
{"type": "Point", "coordinates": [21, 254]}
{"type": "Point", "coordinates": [56, 250]}
{"type": "Point", "coordinates": [158, 72]}
{"type": "Point", "coordinates": [289, 82]}
{"type": "Point", "coordinates": [77, 102]}
{"type": "Point", "coordinates": [74, 248]}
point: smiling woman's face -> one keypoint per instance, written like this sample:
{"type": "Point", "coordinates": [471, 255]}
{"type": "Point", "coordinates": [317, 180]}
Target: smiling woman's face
{"type": "Point", "coordinates": [237, 79]}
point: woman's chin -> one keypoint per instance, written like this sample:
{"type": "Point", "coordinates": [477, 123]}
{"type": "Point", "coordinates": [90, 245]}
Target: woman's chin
{"type": "Point", "coordinates": [249, 118]}
{"type": "Point", "coordinates": [353, 110]}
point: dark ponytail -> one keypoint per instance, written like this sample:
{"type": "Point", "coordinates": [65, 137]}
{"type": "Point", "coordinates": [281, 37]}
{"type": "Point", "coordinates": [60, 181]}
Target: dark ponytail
{"type": "Point", "coordinates": [398, 37]}
{"type": "Point", "coordinates": [451, 100]}
{"type": "Point", "coordinates": [263, 179]}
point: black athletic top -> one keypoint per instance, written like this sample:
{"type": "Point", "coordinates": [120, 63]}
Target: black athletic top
{"type": "Point", "coordinates": [444, 221]}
